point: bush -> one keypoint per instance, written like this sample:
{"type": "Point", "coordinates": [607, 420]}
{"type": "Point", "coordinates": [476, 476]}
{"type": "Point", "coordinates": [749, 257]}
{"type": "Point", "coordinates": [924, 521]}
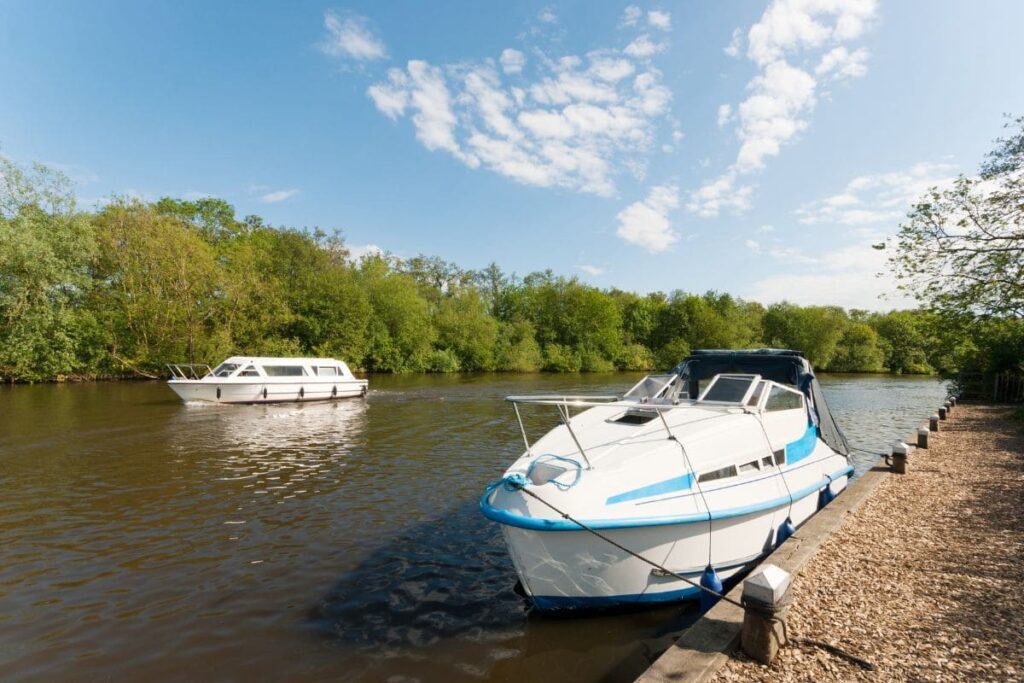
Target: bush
{"type": "Point", "coordinates": [558, 358]}
{"type": "Point", "coordinates": [442, 360]}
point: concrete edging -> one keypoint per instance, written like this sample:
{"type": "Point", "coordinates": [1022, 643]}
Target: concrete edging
{"type": "Point", "coordinates": [703, 648]}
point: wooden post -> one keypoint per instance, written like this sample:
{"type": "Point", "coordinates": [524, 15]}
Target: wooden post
{"type": "Point", "coordinates": [933, 423]}
{"type": "Point", "coordinates": [899, 458]}
{"type": "Point", "coordinates": [922, 437]}
{"type": "Point", "coordinates": [949, 408]}
{"type": "Point", "coordinates": [765, 599]}
{"type": "Point", "coordinates": [942, 413]}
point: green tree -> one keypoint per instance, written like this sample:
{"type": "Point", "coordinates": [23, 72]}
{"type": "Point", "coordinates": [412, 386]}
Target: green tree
{"type": "Point", "coordinates": [859, 350]}
{"type": "Point", "coordinates": [815, 330]}
{"type": "Point", "coordinates": [159, 293]}
{"type": "Point", "coordinates": [961, 249]}
{"type": "Point", "coordinates": [45, 249]}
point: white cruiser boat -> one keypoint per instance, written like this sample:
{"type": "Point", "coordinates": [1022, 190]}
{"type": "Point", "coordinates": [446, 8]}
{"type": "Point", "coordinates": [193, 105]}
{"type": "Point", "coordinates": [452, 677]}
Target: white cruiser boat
{"type": "Point", "coordinates": [711, 465]}
{"type": "Point", "coordinates": [244, 379]}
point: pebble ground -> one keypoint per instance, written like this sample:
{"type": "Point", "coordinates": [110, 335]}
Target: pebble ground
{"type": "Point", "coordinates": [926, 579]}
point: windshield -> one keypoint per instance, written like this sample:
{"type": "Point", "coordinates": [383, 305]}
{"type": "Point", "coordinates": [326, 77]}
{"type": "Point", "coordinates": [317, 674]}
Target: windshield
{"type": "Point", "coordinates": [651, 387]}
{"type": "Point", "coordinates": [729, 388]}
{"type": "Point", "coordinates": [225, 369]}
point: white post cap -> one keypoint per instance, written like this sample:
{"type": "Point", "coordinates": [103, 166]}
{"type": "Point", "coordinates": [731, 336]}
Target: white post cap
{"type": "Point", "coordinates": [768, 585]}
{"type": "Point", "coordinates": [901, 449]}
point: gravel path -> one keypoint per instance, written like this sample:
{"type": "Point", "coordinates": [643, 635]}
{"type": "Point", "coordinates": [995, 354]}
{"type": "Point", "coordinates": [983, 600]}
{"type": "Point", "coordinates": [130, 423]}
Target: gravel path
{"type": "Point", "coordinates": [926, 579]}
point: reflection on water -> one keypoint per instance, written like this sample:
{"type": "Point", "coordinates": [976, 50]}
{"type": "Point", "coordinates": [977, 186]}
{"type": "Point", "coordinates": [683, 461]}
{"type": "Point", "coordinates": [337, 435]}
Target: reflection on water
{"type": "Point", "coordinates": [146, 539]}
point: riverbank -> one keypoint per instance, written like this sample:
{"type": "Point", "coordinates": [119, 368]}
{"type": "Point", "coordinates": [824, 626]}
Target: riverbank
{"type": "Point", "coordinates": [925, 580]}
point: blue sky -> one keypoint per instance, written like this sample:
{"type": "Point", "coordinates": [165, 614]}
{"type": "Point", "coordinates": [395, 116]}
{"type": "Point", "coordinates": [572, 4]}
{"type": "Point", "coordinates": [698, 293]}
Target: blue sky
{"type": "Point", "coordinates": [758, 148]}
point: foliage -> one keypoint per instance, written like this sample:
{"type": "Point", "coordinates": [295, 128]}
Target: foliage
{"type": "Point", "coordinates": [961, 251]}
{"type": "Point", "coordinates": [134, 285]}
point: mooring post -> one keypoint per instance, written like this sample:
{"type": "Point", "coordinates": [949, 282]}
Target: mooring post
{"type": "Point", "coordinates": [900, 452]}
{"type": "Point", "coordinates": [948, 405]}
{"type": "Point", "coordinates": [942, 413]}
{"type": "Point", "coordinates": [765, 599]}
{"type": "Point", "coordinates": [922, 437]}
{"type": "Point", "coordinates": [933, 423]}
{"type": "Point", "coordinates": [952, 400]}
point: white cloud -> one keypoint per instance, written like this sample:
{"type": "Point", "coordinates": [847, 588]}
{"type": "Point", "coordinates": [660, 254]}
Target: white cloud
{"type": "Point", "coordinates": [724, 114]}
{"type": "Point", "coordinates": [753, 245]}
{"type": "Point", "coordinates": [765, 229]}
{"type": "Point", "coordinates": [547, 16]}
{"type": "Point", "coordinates": [660, 20]}
{"type": "Point", "coordinates": [793, 25]}
{"type": "Point", "coordinates": [356, 252]}
{"type": "Point", "coordinates": [720, 194]}
{"type": "Point", "coordinates": [631, 15]}
{"type": "Point", "coordinates": [735, 43]}
{"type": "Point", "coordinates": [591, 270]}
{"type": "Point", "coordinates": [772, 114]}
{"type": "Point", "coordinates": [392, 97]}
{"type": "Point", "coordinates": [350, 36]}
{"type": "Point", "coordinates": [577, 124]}
{"type": "Point", "coordinates": [842, 63]}
{"type": "Point", "coordinates": [645, 223]}
{"type": "Point", "coordinates": [512, 61]}
{"type": "Point", "coordinates": [845, 277]}
{"type": "Point", "coordinates": [783, 94]}
{"type": "Point", "coordinates": [278, 196]}
{"type": "Point", "coordinates": [643, 47]}
{"type": "Point", "coordinates": [878, 200]}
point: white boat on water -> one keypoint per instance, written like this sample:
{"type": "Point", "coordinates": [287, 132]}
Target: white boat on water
{"type": "Point", "coordinates": [711, 465]}
{"type": "Point", "coordinates": [245, 379]}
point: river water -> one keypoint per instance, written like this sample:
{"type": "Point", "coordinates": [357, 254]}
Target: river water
{"type": "Point", "coordinates": [144, 539]}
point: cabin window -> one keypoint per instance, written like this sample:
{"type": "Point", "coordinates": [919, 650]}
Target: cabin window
{"type": "Point", "coordinates": [751, 466]}
{"type": "Point", "coordinates": [780, 398]}
{"type": "Point", "coordinates": [284, 370]}
{"type": "Point", "coordinates": [780, 457]}
{"type": "Point", "coordinates": [715, 475]}
{"type": "Point", "coordinates": [225, 369]}
{"type": "Point", "coordinates": [327, 371]}
{"type": "Point", "coordinates": [250, 371]}
{"type": "Point", "coordinates": [766, 461]}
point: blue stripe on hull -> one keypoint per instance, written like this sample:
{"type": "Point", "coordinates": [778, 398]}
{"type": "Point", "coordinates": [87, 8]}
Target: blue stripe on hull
{"type": "Point", "coordinates": [540, 524]}
{"type": "Point", "coordinates": [668, 486]}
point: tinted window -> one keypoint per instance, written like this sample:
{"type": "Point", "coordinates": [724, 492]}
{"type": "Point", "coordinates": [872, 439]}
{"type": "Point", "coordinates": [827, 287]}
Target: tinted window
{"type": "Point", "coordinates": [249, 371]}
{"type": "Point", "coordinates": [284, 370]}
{"type": "Point", "coordinates": [327, 371]}
{"type": "Point", "coordinates": [225, 369]}
{"type": "Point", "coordinates": [714, 475]}
{"type": "Point", "coordinates": [728, 389]}
{"type": "Point", "coordinates": [783, 399]}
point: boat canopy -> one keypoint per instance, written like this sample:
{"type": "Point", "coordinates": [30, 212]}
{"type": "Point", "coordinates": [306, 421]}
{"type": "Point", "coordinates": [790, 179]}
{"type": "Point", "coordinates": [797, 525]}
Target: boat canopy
{"type": "Point", "coordinates": [779, 365]}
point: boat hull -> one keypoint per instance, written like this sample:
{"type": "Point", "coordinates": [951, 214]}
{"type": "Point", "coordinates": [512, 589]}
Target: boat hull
{"type": "Point", "coordinates": [574, 569]}
{"type": "Point", "coordinates": [264, 391]}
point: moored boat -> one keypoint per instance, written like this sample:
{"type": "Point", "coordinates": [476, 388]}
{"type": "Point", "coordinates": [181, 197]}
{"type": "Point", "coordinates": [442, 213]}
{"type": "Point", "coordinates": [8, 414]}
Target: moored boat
{"type": "Point", "coordinates": [708, 466]}
{"type": "Point", "coordinates": [247, 379]}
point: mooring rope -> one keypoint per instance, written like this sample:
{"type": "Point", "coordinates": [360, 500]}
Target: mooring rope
{"type": "Point", "coordinates": [519, 483]}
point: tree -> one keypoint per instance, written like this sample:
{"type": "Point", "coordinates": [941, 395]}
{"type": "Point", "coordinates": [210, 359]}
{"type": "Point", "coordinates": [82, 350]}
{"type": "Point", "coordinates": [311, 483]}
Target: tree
{"type": "Point", "coordinates": [45, 249]}
{"type": "Point", "coordinates": [961, 250]}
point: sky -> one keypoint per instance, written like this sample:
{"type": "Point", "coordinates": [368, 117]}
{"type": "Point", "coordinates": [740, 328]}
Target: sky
{"type": "Point", "coordinates": [755, 148]}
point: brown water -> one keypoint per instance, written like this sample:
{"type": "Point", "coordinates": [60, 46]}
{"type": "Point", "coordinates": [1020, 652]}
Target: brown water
{"type": "Point", "coordinates": [144, 539]}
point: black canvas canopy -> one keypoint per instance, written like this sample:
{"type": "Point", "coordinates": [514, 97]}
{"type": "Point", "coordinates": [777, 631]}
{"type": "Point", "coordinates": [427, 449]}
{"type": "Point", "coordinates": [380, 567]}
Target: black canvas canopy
{"type": "Point", "coordinates": [778, 365]}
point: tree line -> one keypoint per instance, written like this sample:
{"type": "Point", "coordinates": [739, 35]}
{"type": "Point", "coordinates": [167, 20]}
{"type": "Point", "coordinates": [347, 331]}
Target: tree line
{"type": "Point", "coordinates": [124, 289]}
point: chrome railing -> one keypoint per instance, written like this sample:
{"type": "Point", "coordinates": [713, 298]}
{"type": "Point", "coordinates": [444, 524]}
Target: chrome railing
{"type": "Point", "coordinates": [189, 371]}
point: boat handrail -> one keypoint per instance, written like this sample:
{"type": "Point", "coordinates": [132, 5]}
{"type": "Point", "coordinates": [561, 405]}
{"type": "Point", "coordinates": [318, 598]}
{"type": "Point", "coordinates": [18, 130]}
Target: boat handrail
{"type": "Point", "coordinates": [189, 371]}
{"type": "Point", "coordinates": [591, 402]}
